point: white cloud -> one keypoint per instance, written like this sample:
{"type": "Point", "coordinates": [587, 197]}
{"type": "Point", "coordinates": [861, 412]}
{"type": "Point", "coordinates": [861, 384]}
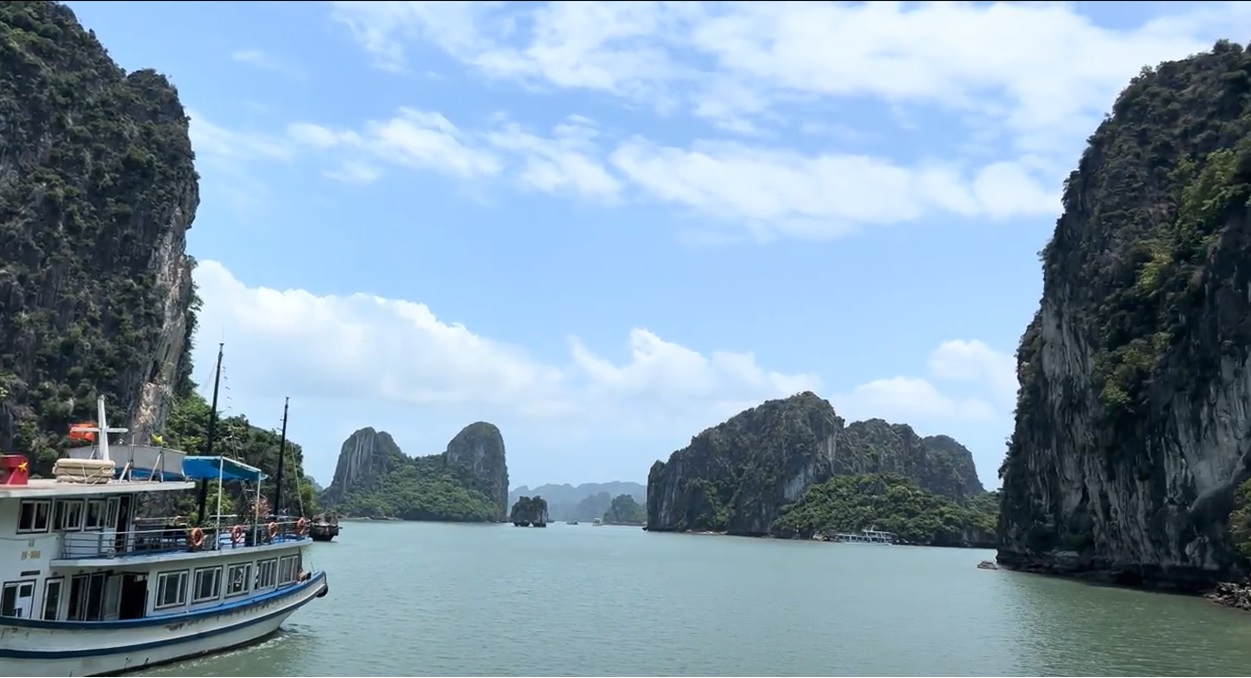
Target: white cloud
{"type": "Point", "coordinates": [394, 351]}
{"type": "Point", "coordinates": [1045, 65]}
{"type": "Point", "coordinates": [229, 148]}
{"type": "Point", "coordinates": [1018, 87]}
{"type": "Point", "coordinates": [265, 61]}
{"type": "Point", "coordinates": [974, 361]}
{"type": "Point", "coordinates": [564, 162]}
{"type": "Point", "coordinates": [390, 350]}
{"type": "Point", "coordinates": [990, 373]}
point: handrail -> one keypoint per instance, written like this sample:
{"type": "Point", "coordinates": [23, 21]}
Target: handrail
{"type": "Point", "coordinates": [176, 538]}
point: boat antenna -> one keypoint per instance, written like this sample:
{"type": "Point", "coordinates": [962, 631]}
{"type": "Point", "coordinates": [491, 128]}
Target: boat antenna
{"type": "Point", "coordinates": [282, 455]}
{"type": "Point", "coordinates": [212, 428]}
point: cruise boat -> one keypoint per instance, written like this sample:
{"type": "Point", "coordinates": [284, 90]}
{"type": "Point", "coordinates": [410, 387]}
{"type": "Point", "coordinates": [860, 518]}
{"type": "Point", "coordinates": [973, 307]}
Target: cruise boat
{"type": "Point", "coordinates": [869, 536]}
{"type": "Point", "coordinates": [88, 588]}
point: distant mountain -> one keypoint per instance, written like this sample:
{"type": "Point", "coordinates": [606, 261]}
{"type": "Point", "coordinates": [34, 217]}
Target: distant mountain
{"type": "Point", "coordinates": [584, 502]}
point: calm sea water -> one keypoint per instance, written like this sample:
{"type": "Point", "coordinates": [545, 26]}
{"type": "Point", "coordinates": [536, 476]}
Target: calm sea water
{"type": "Point", "coordinates": [414, 599]}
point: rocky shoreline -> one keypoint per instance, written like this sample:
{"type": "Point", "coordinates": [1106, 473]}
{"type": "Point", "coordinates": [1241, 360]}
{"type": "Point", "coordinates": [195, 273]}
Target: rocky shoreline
{"type": "Point", "coordinates": [1232, 594]}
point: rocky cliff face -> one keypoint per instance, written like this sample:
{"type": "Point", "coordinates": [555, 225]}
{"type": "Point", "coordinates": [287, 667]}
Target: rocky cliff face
{"type": "Point", "coordinates": [97, 191]}
{"type": "Point", "coordinates": [479, 450]}
{"type": "Point", "coordinates": [737, 476]}
{"type": "Point", "coordinates": [467, 482]}
{"type": "Point", "coordinates": [1133, 425]}
{"type": "Point", "coordinates": [365, 458]}
{"type": "Point", "coordinates": [529, 512]}
{"type": "Point", "coordinates": [936, 463]}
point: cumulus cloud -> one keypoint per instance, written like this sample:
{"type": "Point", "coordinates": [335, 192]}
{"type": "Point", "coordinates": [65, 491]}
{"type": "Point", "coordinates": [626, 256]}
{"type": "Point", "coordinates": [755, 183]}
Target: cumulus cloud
{"type": "Point", "coordinates": [362, 346]}
{"type": "Point", "coordinates": [365, 346]}
{"type": "Point", "coordinates": [1017, 87]}
{"type": "Point", "coordinates": [991, 375]}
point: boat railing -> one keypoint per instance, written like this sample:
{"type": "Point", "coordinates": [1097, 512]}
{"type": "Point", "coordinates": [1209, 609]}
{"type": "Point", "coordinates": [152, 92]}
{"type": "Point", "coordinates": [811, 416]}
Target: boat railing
{"type": "Point", "coordinates": [176, 538]}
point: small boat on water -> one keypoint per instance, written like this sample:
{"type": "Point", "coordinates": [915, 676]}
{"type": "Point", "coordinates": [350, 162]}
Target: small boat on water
{"type": "Point", "coordinates": [325, 527]}
{"type": "Point", "coordinates": [571, 522]}
{"type": "Point", "coordinates": [89, 588]}
{"type": "Point", "coordinates": [869, 536]}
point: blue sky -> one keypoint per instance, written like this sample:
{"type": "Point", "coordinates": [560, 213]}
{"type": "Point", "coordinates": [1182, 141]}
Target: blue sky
{"type": "Point", "coordinates": [604, 227]}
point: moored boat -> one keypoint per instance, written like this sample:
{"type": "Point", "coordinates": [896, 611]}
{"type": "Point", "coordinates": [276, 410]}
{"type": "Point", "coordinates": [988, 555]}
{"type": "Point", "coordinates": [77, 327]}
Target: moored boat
{"type": "Point", "coordinates": [325, 527]}
{"type": "Point", "coordinates": [89, 588]}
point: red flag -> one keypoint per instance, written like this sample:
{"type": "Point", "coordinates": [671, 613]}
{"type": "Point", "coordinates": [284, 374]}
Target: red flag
{"type": "Point", "coordinates": [13, 469]}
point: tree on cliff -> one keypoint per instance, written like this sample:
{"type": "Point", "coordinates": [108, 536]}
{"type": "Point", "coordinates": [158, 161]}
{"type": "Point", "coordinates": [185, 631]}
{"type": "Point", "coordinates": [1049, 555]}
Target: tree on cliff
{"type": "Point", "coordinates": [737, 476]}
{"type": "Point", "coordinates": [97, 191]}
{"type": "Point", "coordinates": [1132, 413]}
{"type": "Point", "coordinates": [892, 503]}
{"type": "Point", "coordinates": [375, 479]}
{"type": "Point", "coordinates": [624, 510]}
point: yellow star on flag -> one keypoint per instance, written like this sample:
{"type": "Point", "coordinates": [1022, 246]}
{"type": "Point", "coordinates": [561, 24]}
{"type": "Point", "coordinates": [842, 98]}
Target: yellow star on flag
{"type": "Point", "coordinates": [22, 467]}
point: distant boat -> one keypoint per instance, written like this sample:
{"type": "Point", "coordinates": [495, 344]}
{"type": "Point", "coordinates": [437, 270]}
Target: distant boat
{"type": "Point", "coordinates": [571, 522]}
{"type": "Point", "coordinates": [324, 527]}
{"type": "Point", "coordinates": [598, 523]}
{"type": "Point", "coordinates": [869, 536]}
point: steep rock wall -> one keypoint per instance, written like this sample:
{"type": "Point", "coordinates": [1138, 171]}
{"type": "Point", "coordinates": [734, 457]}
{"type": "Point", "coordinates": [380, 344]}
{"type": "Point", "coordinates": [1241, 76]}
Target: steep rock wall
{"type": "Point", "coordinates": [737, 476]}
{"type": "Point", "coordinates": [479, 450]}
{"type": "Point", "coordinates": [97, 191]}
{"type": "Point", "coordinates": [1134, 414]}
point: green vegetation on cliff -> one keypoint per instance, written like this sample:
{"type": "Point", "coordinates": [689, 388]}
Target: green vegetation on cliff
{"type": "Point", "coordinates": [1128, 446]}
{"type": "Point", "coordinates": [892, 503]}
{"type": "Point", "coordinates": [624, 510]}
{"type": "Point", "coordinates": [97, 190]}
{"type": "Point", "coordinates": [737, 476]}
{"type": "Point", "coordinates": [423, 489]}
{"type": "Point", "coordinates": [375, 479]}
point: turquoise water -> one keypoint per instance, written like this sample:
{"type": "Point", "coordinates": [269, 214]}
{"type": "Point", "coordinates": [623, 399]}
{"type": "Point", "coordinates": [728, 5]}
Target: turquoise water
{"type": "Point", "coordinates": [415, 599]}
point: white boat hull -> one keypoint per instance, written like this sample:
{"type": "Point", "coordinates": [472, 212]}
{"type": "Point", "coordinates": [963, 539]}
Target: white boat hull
{"type": "Point", "coordinates": [98, 648]}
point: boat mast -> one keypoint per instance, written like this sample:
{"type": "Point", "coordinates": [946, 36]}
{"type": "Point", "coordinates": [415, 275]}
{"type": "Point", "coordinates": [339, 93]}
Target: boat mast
{"type": "Point", "coordinates": [282, 455]}
{"type": "Point", "coordinates": [212, 429]}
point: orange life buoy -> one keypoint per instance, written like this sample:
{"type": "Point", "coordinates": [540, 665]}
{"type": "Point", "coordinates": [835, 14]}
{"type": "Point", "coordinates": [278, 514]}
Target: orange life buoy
{"type": "Point", "coordinates": [197, 537]}
{"type": "Point", "coordinates": [273, 530]}
{"type": "Point", "coordinates": [236, 534]}
{"type": "Point", "coordinates": [301, 526]}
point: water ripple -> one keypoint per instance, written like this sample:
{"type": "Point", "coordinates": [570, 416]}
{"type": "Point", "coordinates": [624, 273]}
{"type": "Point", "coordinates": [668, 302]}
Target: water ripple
{"type": "Point", "coordinates": [427, 599]}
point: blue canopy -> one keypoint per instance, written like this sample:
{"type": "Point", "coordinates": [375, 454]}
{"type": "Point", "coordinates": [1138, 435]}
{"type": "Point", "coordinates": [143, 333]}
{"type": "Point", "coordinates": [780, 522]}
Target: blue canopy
{"type": "Point", "coordinates": [210, 468]}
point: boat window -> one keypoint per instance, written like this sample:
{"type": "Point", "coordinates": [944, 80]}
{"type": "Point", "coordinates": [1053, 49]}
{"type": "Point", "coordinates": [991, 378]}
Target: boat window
{"type": "Point", "coordinates": [95, 514]}
{"type": "Point", "coordinates": [16, 599]}
{"type": "Point", "coordinates": [52, 598]}
{"type": "Point", "coordinates": [34, 516]}
{"type": "Point", "coordinates": [69, 515]}
{"type": "Point", "coordinates": [238, 577]}
{"type": "Point", "coordinates": [86, 596]}
{"type": "Point", "coordinates": [287, 568]}
{"type": "Point", "coordinates": [266, 573]}
{"type": "Point", "coordinates": [171, 589]}
{"type": "Point", "coordinates": [208, 584]}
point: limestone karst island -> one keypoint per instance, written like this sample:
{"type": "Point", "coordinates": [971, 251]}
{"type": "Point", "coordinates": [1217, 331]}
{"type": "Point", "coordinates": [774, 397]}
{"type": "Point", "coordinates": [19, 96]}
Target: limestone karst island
{"type": "Point", "coordinates": [287, 457]}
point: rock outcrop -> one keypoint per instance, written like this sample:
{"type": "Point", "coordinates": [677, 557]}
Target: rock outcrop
{"type": "Point", "coordinates": [97, 191]}
{"type": "Point", "coordinates": [529, 512]}
{"type": "Point", "coordinates": [467, 482]}
{"type": "Point", "coordinates": [365, 458]}
{"type": "Point", "coordinates": [584, 502]}
{"type": "Point", "coordinates": [479, 450]}
{"type": "Point", "coordinates": [1133, 423]}
{"type": "Point", "coordinates": [737, 476]}
{"type": "Point", "coordinates": [938, 463]}
{"type": "Point", "coordinates": [624, 510]}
